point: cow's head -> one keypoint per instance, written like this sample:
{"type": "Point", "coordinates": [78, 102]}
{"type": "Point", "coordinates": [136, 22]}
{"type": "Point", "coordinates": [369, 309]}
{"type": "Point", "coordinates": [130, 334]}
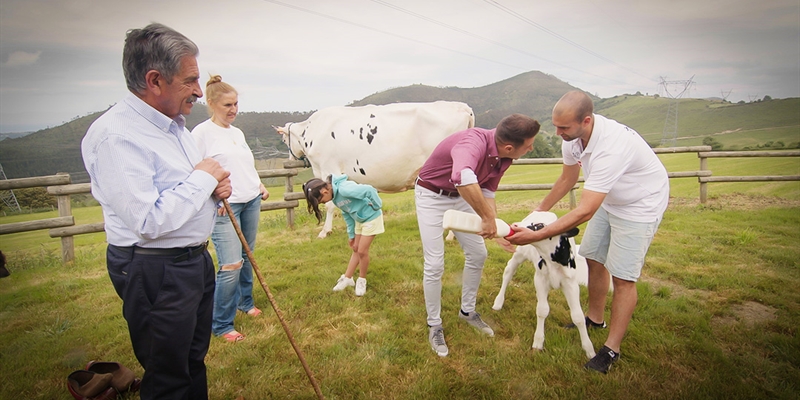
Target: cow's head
{"type": "Point", "coordinates": [557, 248]}
{"type": "Point", "coordinates": [293, 141]}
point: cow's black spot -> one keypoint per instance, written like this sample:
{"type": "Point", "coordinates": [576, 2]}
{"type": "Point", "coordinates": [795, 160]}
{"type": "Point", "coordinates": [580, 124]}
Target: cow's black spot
{"type": "Point", "coordinates": [369, 138]}
{"type": "Point", "coordinates": [562, 253]}
{"type": "Point", "coordinates": [310, 143]}
{"type": "Point", "coordinates": [374, 130]}
{"type": "Point", "coordinates": [352, 131]}
{"type": "Point", "coordinates": [333, 135]}
{"type": "Point", "coordinates": [362, 171]}
{"type": "Point", "coordinates": [541, 263]}
{"type": "Point", "coordinates": [372, 115]}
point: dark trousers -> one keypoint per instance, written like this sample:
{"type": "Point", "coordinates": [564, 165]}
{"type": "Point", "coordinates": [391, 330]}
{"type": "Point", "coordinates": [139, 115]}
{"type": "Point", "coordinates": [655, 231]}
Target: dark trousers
{"type": "Point", "coordinates": [168, 307]}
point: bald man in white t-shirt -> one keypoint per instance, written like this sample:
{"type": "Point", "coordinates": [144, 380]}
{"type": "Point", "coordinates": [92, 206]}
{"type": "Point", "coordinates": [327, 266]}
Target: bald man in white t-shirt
{"type": "Point", "coordinates": [624, 197]}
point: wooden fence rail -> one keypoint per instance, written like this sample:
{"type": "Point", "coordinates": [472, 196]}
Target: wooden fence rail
{"type": "Point", "coordinates": [64, 227]}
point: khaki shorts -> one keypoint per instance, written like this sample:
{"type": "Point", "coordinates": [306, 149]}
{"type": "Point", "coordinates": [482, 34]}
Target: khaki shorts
{"type": "Point", "coordinates": [620, 245]}
{"type": "Point", "coordinates": [370, 228]}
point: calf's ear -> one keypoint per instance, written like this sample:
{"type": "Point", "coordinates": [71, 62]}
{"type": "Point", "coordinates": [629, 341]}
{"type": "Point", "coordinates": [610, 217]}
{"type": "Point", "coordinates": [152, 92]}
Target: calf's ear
{"type": "Point", "coordinates": [571, 233]}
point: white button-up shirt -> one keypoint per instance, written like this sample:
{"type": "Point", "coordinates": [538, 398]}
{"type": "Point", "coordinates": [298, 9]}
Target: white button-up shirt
{"type": "Point", "coordinates": [141, 164]}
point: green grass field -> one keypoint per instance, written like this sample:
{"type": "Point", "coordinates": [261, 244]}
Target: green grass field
{"type": "Point", "coordinates": [717, 315]}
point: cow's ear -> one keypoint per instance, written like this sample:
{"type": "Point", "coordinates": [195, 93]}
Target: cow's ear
{"type": "Point", "coordinates": [571, 233]}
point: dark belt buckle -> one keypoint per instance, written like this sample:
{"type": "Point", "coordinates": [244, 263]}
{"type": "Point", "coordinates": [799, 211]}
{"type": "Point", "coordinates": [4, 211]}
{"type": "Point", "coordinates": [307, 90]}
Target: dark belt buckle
{"type": "Point", "coordinates": [191, 253]}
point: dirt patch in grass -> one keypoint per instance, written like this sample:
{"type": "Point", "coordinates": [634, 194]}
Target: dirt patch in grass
{"type": "Point", "coordinates": [676, 290]}
{"type": "Point", "coordinates": [734, 201]}
{"type": "Point", "coordinates": [749, 313]}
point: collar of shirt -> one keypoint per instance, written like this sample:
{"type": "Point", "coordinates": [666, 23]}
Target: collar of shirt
{"type": "Point", "coordinates": [164, 123]}
{"type": "Point", "coordinates": [492, 154]}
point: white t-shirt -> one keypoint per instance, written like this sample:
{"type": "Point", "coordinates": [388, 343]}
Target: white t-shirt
{"type": "Point", "coordinates": [228, 147]}
{"type": "Point", "coordinates": [621, 164]}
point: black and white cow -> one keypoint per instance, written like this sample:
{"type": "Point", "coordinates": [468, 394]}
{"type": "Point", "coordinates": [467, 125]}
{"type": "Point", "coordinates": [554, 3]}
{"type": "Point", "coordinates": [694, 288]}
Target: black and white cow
{"type": "Point", "coordinates": [383, 146]}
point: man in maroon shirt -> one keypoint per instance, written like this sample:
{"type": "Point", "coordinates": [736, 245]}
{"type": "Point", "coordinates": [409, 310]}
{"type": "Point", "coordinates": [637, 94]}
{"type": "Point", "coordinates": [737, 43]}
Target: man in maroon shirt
{"type": "Point", "coordinates": [462, 174]}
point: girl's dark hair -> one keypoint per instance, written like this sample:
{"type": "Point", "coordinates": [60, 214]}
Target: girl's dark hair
{"type": "Point", "coordinates": [311, 191]}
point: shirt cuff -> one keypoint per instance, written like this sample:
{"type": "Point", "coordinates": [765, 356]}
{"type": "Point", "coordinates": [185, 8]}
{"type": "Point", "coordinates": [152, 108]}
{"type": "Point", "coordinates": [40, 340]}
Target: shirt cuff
{"type": "Point", "coordinates": [468, 177]}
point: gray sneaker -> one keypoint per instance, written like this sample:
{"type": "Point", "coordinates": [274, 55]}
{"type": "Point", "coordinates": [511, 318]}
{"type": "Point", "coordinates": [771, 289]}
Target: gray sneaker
{"type": "Point", "coordinates": [436, 339]}
{"type": "Point", "coordinates": [475, 320]}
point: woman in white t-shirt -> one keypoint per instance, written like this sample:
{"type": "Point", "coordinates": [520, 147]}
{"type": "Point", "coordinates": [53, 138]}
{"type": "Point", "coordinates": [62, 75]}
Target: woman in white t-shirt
{"type": "Point", "coordinates": [217, 138]}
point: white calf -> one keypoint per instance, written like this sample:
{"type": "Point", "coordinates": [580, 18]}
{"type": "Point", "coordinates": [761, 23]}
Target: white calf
{"type": "Point", "coordinates": [557, 266]}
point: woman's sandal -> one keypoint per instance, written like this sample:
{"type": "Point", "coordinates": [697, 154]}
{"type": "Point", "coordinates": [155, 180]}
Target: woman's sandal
{"type": "Point", "coordinates": [254, 312]}
{"type": "Point", "coordinates": [233, 336]}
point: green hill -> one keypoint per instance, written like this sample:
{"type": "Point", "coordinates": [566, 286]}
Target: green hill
{"type": "Point", "coordinates": [768, 123]}
{"type": "Point", "coordinates": [735, 126]}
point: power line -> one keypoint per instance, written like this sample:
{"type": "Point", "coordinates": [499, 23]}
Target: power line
{"type": "Point", "coordinates": [8, 197]}
{"type": "Point", "coordinates": [390, 33]}
{"type": "Point", "coordinates": [558, 36]}
{"type": "Point", "coordinates": [496, 43]}
{"type": "Point", "coordinates": [670, 136]}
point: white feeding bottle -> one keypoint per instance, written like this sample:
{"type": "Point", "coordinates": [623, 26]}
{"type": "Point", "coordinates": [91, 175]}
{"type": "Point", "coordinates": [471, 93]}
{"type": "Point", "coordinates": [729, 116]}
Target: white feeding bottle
{"type": "Point", "coordinates": [461, 221]}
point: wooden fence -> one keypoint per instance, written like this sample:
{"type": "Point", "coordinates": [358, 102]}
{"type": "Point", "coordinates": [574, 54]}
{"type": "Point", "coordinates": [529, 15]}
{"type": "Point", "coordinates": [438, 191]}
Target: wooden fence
{"type": "Point", "coordinates": [64, 226]}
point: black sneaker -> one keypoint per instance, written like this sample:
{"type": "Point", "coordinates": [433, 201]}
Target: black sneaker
{"type": "Point", "coordinates": [589, 324]}
{"type": "Point", "coordinates": [603, 360]}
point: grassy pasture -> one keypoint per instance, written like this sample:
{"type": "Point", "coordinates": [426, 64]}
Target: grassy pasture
{"type": "Point", "coordinates": [717, 314]}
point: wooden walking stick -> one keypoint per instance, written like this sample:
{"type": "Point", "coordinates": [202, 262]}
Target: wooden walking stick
{"type": "Point", "coordinates": [278, 311]}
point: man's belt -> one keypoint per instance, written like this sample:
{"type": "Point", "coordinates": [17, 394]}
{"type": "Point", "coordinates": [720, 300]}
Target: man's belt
{"type": "Point", "coordinates": [178, 254]}
{"type": "Point", "coordinates": [432, 188]}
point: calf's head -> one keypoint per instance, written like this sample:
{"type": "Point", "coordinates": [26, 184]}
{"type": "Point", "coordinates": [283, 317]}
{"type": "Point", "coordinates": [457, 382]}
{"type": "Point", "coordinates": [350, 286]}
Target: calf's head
{"type": "Point", "coordinates": [557, 248]}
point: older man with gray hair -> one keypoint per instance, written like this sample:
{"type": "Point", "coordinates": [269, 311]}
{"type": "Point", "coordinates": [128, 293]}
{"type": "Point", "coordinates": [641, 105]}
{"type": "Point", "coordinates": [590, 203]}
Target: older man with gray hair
{"type": "Point", "coordinates": [159, 201]}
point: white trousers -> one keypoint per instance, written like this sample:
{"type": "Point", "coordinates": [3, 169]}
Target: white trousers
{"type": "Point", "coordinates": [430, 211]}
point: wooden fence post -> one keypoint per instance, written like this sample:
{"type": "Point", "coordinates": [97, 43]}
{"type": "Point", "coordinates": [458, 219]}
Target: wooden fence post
{"type": "Point", "coordinates": [65, 210]}
{"type": "Point", "coordinates": [703, 184]}
{"type": "Point", "coordinates": [290, 210]}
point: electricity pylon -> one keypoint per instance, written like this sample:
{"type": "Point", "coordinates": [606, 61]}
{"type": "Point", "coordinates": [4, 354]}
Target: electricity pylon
{"type": "Point", "coordinates": [9, 199]}
{"type": "Point", "coordinates": [670, 136]}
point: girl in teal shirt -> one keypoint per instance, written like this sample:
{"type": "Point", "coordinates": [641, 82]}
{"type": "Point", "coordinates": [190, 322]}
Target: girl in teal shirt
{"type": "Point", "coordinates": [361, 209]}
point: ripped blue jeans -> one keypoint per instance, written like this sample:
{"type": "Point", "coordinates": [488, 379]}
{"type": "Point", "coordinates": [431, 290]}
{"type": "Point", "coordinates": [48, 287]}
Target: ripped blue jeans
{"type": "Point", "coordinates": [234, 287]}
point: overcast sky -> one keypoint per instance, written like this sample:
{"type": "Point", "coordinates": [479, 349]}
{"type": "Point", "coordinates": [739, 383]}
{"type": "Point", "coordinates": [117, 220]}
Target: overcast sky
{"type": "Point", "coordinates": [61, 59]}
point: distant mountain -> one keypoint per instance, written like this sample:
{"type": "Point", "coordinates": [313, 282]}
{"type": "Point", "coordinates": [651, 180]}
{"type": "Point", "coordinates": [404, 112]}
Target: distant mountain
{"type": "Point", "coordinates": [57, 149]}
{"type": "Point", "coordinates": [11, 135]}
{"type": "Point", "coordinates": [532, 93]}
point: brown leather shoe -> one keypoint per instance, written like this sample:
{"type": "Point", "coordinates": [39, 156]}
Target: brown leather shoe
{"type": "Point", "coordinates": [123, 378]}
{"type": "Point", "coordinates": [84, 385]}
